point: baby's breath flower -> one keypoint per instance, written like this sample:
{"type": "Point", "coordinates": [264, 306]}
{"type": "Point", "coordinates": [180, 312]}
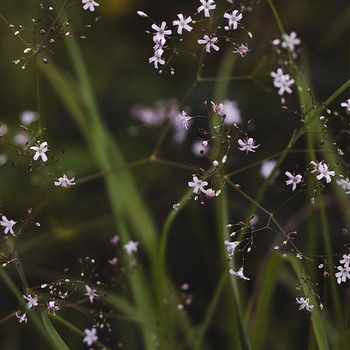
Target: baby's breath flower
{"type": "Point", "coordinates": [207, 5]}
{"type": "Point", "coordinates": [184, 119]}
{"type": "Point", "coordinates": [209, 42]}
{"type": "Point", "coordinates": [304, 304]}
{"type": "Point", "coordinates": [40, 151]}
{"type": "Point", "coordinates": [182, 23]}
{"type": "Point", "coordinates": [91, 336]}
{"type": "Point", "coordinates": [64, 181]}
{"type": "Point", "coordinates": [53, 306]}
{"type": "Point", "coordinates": [157, 58]}
{"type": "Point", "coordinates": [233, 18]}
{"type": "Point", "coordinates": [90, 4]}
{"type": "Point", "coordinates": [239, 274]}
{"type": "Point", "coordinates": [197, 184]}
{"type": "Point", "coordinates": [7, 224]}
{"type": "Point", "coordinates": [22, 318]}
{"type": "Point", "coordinates": [91, 293]}
{"type": "Point", "coordinates": [247, 145]}
{"type": "Point", "coordinates": [346, 105]}
{"type": "Point", "coordinates": [241, 50]}
{"type": "Point", "coordinates": [293, 180]}
{"type": "Point", "coordinates": [32, 301]}
{"type": "Point", "coordinates": [130, 247]}
{"type": "Point", "coordinates": [289, 41]}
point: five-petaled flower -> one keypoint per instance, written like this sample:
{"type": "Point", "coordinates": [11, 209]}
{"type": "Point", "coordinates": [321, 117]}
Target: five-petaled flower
{"type": "Point", "coordinates": [161, 31]}
{"type": "Point", "coordinates": [207, 5]}
{"type": "Point", "coordinates": [346, 105]}
{"type": "Point", "coordinates": [91, 293]}
{"type": "Point", "coordinates": [241, 50]}
{"type": "Point", "coordinates": [182, 23]}
{"type": "Point", "coordinates": [64, 181]}
{"type": "Point", "coordinates": [32, 302]}
{"type": "Point", "coordinates": [157, 58]}
{"type": "Point", "coordinates": [22, 318]}
{"type": "Point", "coordinates": [8, 224]}
{"type": "Point", "coordinates": [247, 145]}
{"type": "Point", "coordinates": [293, 180]}
{"type": "Point", "coordinates": [90, 4]}
{"type": "Point", "coordinates": [40, 151]}
{"type": "Point", "coordinates": [218, 108]}
{"type": "Point", "coordinates": [233, 18]}
{"type": "Point", "coordinates": [304, 304]}
{"type": "Point", "coordinates": [209, 42]}
{"type": "Point", "coordinates": [324, 172]}
{"type": "Point", "coordinates": [131, 247]}
{"type": "Point", "coordinates": [197, 184]}
{"type": "Point", "coordinates": [53, 306]}
{"type": "Point", "coordinates": [91, 336]}
{"type": "Point", "coordinates": [239, 274]}
{"type": "Point", "coordinates": [289, 41]}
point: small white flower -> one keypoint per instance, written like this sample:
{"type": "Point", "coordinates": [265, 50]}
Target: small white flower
{"type": "Point", "coordinates": [91, 293]}
{"type": "Point", "coordinates": [91, 336]}
{"type": "Point", "coordinates": [343, 274]}
{"type": "Point", "coordinates": [197, 184]}
{"type": "Point", "coordinates": [218, 108]}
{"type": "Point", "coordinates": [346, 105]}
{"type": "Point", "coordinates": [161, 31]}
{"type": "Point", "coordinates": [28, 117]}
{"type": "Point", "coordinates": [182, 23]}
{"type": "Point", "coordinates": [64, 181]}
{"type": "Point", "coordinates": [241, 50]}
{"type": "Point", "coordinates": [40, 151]}
{"type": "Point", "coordinates": [324, 172]}
{"type": "Point", "coordinates": [231, 112]}
{"type": "Point", "coordinates": [157, 58]}
{"type": "Point", "coordinates": [32, 302]}
{"type": "Point", "coordinates": [247, 145]}
{"type": "Point", "coordinates": [53, 306]}
{"type": "Point", "coordinates": [90, 4]}
{"type": "Point", "coordinates": [304, 304]}
{"type": "Point", "coordinates": [231, 246]}
{"type": "Point", "coordinates": [346, 260]}
{"type": "Point", "coordinates": [344, 183]}
{"type": "Point", "coordinates": [239, 274]}
{"type": "Point", "coordinates": [267, 167]}
{"type": "Point", "coordinates": [209, 42]}
{"type": "Point", "coordinates": [282, 81]}
{"type": "Point", "coordinates": [289, 41]}
{"type": "Point", "coordinates": [184, 119]}
{"type": "Point", "coordinates": [22, 318]}
{"type": "Point", "coordinates": [131, 247]}
{"type": "Point", "coordinates": [293, 180]}
{"type": "Point", "coordinates": [207, 5]}
{"type": "Point", "coordinates": [8, 224]}
{"type": "Point", "coordinates": [233, 18]}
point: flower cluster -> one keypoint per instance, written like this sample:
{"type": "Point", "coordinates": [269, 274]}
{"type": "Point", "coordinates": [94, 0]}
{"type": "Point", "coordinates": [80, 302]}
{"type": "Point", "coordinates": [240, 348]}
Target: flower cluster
{"type": "Point", "coordinates": [343, 269]}
{"type": "Point", "coordinates": [282, 81]}
{"type": "Point", "coordinates": [182, 24]}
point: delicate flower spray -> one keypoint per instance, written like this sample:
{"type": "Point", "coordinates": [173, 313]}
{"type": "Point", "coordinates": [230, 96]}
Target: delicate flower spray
{"type": "Point", "coordinates": [229, 129]}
